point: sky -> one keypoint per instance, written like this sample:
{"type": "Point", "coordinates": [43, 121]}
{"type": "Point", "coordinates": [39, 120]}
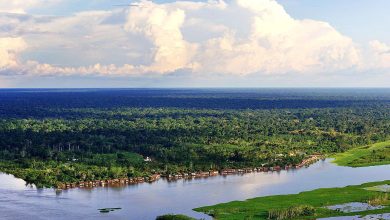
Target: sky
{"type": "Point", "coordinates": [214, 43]}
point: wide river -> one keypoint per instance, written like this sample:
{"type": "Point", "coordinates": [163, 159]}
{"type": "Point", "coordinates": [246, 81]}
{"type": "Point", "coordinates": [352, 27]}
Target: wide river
{"type": "Point", "coordinates": [146, 201]}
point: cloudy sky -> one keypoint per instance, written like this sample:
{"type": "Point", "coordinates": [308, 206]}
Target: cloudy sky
{"type": "Point", "coordinates": [215, 43]}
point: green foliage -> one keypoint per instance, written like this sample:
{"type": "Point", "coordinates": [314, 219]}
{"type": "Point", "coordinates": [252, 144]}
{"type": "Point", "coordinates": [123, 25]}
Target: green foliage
{"type": "Point", "coordinates": [370, 155]}
{"type": "Point", "coordinates": [302, 204]}
{"type": "Point", "coordinates": [291, 212]}
{"type": "Point", "coordinates": [52, 173]}
{"type": "Point", "coordinates": [78, 144]}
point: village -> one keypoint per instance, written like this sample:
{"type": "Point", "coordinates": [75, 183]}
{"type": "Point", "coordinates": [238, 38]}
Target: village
{"type": "Point", "coordinates": [174, 177]}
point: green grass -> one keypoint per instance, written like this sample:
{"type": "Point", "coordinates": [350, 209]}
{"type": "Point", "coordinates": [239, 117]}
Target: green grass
{"type": "Point", "coordinates": [258, 208]}
{"type": "Point", "coordinates": [371, 155]}
{"type": "Point", "coordinates": [379, 188]}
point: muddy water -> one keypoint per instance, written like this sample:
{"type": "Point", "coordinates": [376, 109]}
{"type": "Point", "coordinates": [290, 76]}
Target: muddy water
{"type": "Point", "coordinates": [146, 201]}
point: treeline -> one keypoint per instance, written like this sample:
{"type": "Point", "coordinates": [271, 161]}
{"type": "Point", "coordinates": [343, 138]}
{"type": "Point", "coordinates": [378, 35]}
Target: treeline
{"type": "Point", "coordinates": [38, 103]}
{"type": "Point", "coordinates": [194, 135]}
{"type": "Point", "coordinates": [52, 136]}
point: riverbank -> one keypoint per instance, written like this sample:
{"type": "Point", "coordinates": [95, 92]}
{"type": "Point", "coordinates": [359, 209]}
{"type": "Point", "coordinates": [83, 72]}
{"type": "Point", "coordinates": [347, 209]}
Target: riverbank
{"type": "Point", "coordinates": [317, 200]}
{"type": "Point", "coordinates": [175, 197]}
{"type": "Point", "coordinates": [370, 155]}
{"type": "Point", "coordinates": [173, 177]}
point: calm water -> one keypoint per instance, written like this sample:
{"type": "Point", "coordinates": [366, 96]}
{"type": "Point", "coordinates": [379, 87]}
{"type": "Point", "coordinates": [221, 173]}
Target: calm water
{"type": "Point", "coordinates": [146, 201]}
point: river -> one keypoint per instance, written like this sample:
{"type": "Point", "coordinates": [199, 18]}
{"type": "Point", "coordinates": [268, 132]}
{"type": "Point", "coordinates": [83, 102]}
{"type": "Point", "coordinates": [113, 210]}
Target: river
{"type": "Point", "coordinates": [146, 201]}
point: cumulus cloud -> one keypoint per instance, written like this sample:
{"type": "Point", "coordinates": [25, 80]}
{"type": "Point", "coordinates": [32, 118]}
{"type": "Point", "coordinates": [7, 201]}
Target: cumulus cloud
{"type": "Point", "coordinates": [237, 37]}
{"type": "Point", "coordinates": [268, 41]}
{"type": "Point", "coordinates": [162, 24]}
{"type": "Point", "coordinates": [379, 55]}
{"type": "Point", "coordinates": [9, 47]}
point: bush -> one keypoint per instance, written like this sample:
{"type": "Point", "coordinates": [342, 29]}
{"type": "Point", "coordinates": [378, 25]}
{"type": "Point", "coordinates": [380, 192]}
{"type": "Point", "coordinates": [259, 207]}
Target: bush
{"type": "Point", "coordinates": [291, 212]}
{"type": "Point", "coordinates": [379, 199]}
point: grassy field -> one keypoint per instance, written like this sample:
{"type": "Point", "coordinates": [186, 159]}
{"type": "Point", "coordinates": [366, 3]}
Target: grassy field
{"type": "Point", "coordinates": [258, 208]}
{"type": "Point", "coordinates": [371, 155]}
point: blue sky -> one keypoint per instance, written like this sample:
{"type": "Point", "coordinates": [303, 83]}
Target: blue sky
{"type": "Point", "coordinates": [361, 19]}
{"type": "Point", "coordinates": [232, 43]}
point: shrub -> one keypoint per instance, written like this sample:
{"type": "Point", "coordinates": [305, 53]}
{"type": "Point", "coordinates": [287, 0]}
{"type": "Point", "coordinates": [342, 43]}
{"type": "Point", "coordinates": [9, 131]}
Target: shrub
{"type": "Point", "coordinates": [291, 212]}
{"type": "Point", "coordinates": [378, 199]}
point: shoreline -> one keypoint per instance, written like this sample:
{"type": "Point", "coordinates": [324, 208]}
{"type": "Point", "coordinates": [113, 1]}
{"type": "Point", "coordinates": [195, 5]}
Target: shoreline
{"type": "Point", "coordinates": [224, 189]}
{"type": "Point", "coordinates": [317, 199]}
{"type": "Point", "coordinates": [195, 175]}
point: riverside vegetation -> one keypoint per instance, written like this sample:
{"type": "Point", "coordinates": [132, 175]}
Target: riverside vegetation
{"type": "Point", "coordinates": [369, 155]}
{"type": "Point", "coordinates": [306, 205]}
{"type": "Point", "coordinates": [309, 205]}
{"type": "Point", "coordinates": [53, 137]}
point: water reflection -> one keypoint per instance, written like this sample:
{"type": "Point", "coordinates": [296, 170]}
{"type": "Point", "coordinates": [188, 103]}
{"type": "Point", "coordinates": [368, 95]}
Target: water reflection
{"type": "Point", "coordinates": [10, 182]}
{"type": "Point", "coordinates": [146, 201]}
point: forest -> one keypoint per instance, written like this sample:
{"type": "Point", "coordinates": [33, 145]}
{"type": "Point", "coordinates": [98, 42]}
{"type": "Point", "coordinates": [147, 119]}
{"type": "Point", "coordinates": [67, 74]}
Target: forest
{"type": "Point", "coordinates": [51, 137]}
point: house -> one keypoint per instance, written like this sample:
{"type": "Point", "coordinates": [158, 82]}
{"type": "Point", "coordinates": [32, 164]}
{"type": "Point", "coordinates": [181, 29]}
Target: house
{"type": "Point", "coordinates": [248, 170]}
{"type": "Point", "coordinates": [213, 173]}
{"type": "Point", "coordinates": [205, 174]}
{"type": "Point", "coordinates": [140, 179]}
{"type": "Point", "coordinates": [155, 177]}
{"type": "Point", "coordinates": [148, 159]}
{"type": "Point", "coordinates": [228, 171]}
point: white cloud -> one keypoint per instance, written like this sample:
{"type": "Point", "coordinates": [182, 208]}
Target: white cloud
{"type": "Point", "coordinates": [379, 55]}
{"type": "Point", "coordinates": [9, 47]}
{"type": "Point", "coordinates": [21, 6]}
{"type": "Point", "coordinates": [275, 42]}
{"type": "Point", "coordinates": [237, 37]}
{"type": "Point", "coordinates": [35, 68]}
{"type": "Point", "coordinates": [162, 24]}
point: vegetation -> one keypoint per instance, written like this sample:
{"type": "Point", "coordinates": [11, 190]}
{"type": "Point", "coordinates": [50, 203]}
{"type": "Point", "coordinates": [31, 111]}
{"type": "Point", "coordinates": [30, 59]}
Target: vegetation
{"type": "Point", "coordinates": [307, 205]}
{"type": "Point", "coordinates": [107, 210]}
{"type": "Point", "coordinates": [97, 167]}
{"type": "Point", "coordinates": [51, 137]}
{"type": "Point", "coordinates": [378, 199]}
{"type": "Point", "coordinates": [174, 217]}
{"type": "Point", "coordinates": [380, 188]}
{"type": "Point", "coordinates": [291, 212]}
{"type": "Point", "coordinates": [370, 155]}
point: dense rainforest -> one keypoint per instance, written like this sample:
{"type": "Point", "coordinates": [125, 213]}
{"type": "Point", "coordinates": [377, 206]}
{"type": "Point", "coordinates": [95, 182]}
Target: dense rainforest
{"type": "Point", "coordinates": [53, 136]}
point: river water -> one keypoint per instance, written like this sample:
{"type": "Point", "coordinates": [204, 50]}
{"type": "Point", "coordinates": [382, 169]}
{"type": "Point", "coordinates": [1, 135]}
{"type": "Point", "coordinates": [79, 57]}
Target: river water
{"type": "Point", "coordinates": [146, 201]}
